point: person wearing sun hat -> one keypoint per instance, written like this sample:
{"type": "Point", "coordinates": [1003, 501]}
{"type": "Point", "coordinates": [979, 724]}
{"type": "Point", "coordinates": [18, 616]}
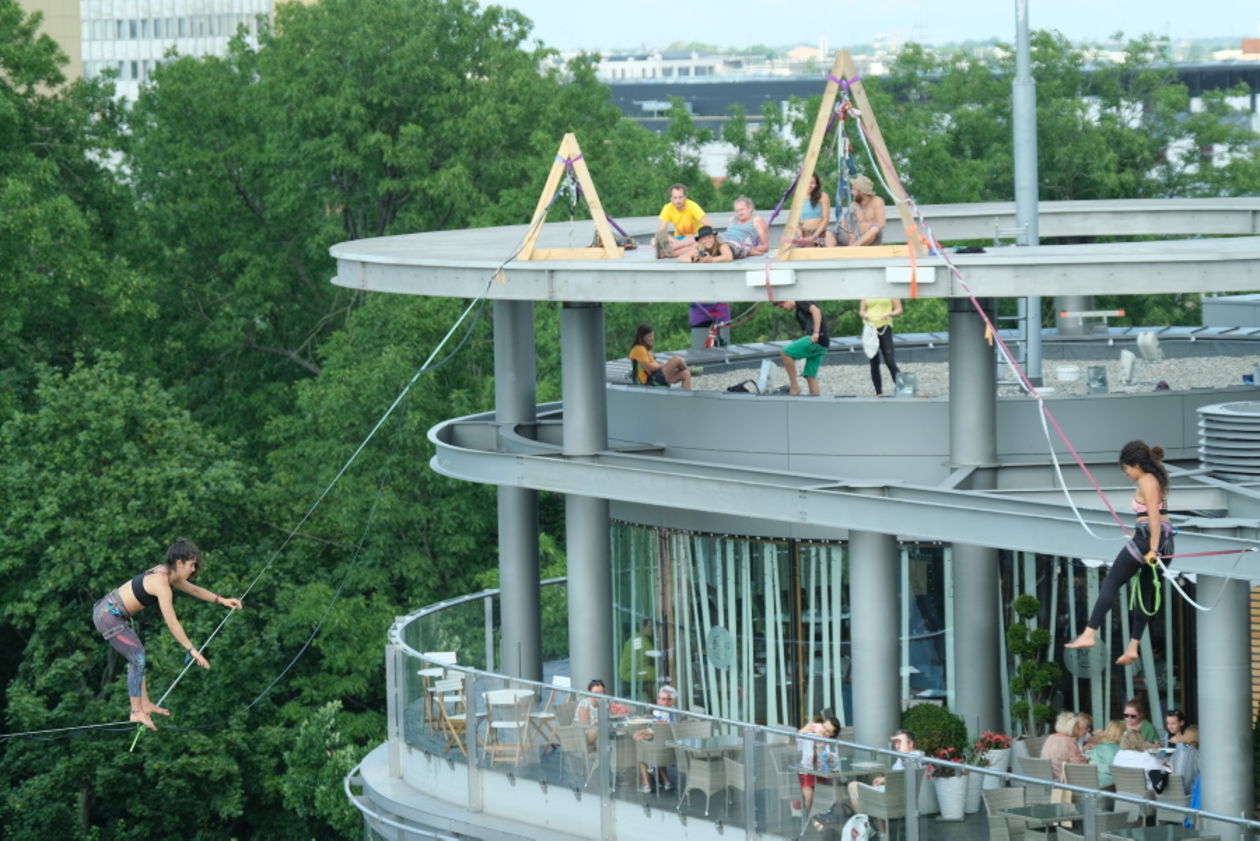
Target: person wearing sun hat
{"type": "Point", "coordinates": [865, 225]}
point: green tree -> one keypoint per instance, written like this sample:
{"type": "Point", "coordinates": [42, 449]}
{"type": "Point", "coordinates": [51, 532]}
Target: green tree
{"type": "Point", "coordinates": [61, 211]}
{"type": "Point", "coordinates": [97, 479]}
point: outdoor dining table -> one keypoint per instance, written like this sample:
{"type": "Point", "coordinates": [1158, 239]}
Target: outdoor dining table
{"type": "Point", "coordinates": [709, 746]}
{"type": "Point", "coordinates": [1041, 814]}
{"type": "Point", "coordinates": [844, 768]}
{"type": "Point", "coordinates": [1161, 832]}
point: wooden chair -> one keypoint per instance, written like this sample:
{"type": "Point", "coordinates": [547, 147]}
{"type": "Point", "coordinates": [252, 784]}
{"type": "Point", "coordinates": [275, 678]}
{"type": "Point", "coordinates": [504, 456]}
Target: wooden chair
{"type": "Point", "coordinates": [430, 673]}
{"type": "Point", "coordinates": [545, 721]}
{"type": "Point", "coordinates": [1131, 781]}
{"type": "Point", "coordinates": [1040, 769]}
{"type": "Point", "coordinates": [452, 709]}
{"type": "Point", "coordinates": [507, 714]}
{"type": "Point", "coordinates": [889, 804]}
{"type": "Point", "coordinates": [995, 801]}
{"type": "Point", "coordinates": [573, 743]}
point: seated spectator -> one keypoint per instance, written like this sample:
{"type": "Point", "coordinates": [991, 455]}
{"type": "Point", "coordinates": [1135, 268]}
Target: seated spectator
{"type": "Point", "coordinates": [1103, 752]}
{"type": "Point", "coordinates": [710, 248]}
{"type": "Point", "coordinates": [812, 228]}
{"type": "Point", "coordinates": [902, 742]}
{"type": "Point", "coordinates": [811, 750]}
{"type": "Point", "coordinates": [1132, 754]}
{"type": "Point", "coordinates": [1061, 746]}
{"type": "Point", "coordinates": [1185, 758]}
{"type": "Point", "coordinates": [587, 711]}
{"type": "Point", "coordinates": [1174, 724]}
{"type": "Point", "coordinates": [748, 234]}
{"type": "Point", "coordinates": [865, 221]}
{"type": "Point", "coordinates": [685, 217]}
{"type": "Point", "coordinates": [647, 371]}
{"type": "Point", "coordinates": [1089, 735]}
{"type": "Point", "coordinates": [1137, 720]}
{"type": "Point", "coordinates": [666, 696]}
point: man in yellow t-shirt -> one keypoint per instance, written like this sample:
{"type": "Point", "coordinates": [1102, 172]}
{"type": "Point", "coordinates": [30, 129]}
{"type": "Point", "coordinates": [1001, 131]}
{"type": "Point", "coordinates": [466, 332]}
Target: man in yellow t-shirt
{"type": "Point", "coordinates": [686, 217]}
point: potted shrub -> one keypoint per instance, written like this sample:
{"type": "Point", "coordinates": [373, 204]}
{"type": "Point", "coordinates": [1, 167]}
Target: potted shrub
{"type": "Point", "coordinates": [935, 728]}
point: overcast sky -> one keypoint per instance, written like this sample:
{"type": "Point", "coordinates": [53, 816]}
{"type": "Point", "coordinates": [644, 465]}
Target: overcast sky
{"type": "Point", "coordinates": [570, 25]}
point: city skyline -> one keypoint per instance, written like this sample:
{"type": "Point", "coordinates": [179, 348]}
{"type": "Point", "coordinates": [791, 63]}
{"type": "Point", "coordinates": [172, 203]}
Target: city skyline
{"type": "Point", "coordinates": [654, 24]}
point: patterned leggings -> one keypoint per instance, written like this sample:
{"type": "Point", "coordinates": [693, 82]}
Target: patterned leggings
{"type": "Point", "coordinates": [110, 618]}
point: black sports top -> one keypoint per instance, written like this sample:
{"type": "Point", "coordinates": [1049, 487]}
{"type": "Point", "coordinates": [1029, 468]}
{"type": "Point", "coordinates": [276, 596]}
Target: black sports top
{"type": "Point", "coordinates": [142, 595]}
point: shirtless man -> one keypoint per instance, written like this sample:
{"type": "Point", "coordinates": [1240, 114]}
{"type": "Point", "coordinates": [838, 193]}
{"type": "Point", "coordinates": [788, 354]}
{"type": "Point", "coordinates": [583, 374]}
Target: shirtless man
{"type": "Point", "coordinates": [868, 209]}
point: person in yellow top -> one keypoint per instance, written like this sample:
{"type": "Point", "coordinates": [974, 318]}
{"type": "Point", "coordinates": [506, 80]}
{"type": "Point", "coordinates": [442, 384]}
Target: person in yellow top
{"type": "Point", "coordinates": [686, 217]}
{"type": "Point", "coordinates": [647, 371]}
{"type": "Point", "coordinates": [879, 313]}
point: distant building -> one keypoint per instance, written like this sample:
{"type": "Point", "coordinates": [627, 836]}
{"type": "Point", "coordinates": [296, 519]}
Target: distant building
{"type": "Point", "coordinates": [131, 37]}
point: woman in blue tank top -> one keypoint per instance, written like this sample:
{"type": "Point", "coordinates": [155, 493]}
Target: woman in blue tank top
{"type": "Point", "coordinates": [814, 215]}
{"type": "Point", "coordinates": [154, 586]}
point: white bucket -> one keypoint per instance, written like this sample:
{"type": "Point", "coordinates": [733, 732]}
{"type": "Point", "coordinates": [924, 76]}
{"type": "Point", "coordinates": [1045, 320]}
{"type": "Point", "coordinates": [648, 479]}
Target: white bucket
{"type": "Point", "coordinates": [1068, 373]}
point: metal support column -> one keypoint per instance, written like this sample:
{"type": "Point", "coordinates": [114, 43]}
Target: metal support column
{"type": "Point", "coordinates": [876, 636]}
{"type": "Point", "coordinates": [1024, 119]}
{"type": "Point", "coordinates": [520, 651]}
{"type": "Point", "coordinates": [586, 518]}
{"type": "Point", "coordinates": [1224, 679]}
{"type": "Point", "coordinates": [973, 442]}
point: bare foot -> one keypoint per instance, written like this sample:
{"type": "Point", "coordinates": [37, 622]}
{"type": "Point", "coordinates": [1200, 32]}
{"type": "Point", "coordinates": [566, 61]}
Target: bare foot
{"type": "Point", "coordinates": [796, 389]}
{"type": "Point", "coordinates": [141, 717]}
{"type": "Point", "coordinates": [1085, 640]}
{"type": "Point", "coordinates": [1130, 655]}
{"type": "Point", "coordinates": [150, 707]}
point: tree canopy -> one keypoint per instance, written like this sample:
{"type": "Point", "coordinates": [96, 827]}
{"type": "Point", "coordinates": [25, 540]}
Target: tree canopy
{"type": "Point", "coordinates": [175, 362]}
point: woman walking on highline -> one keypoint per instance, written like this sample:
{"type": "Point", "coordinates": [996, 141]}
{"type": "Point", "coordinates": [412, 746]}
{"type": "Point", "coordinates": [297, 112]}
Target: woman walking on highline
{"type": "Point", "coordinates": [1152, 538]}
{"type": "Point", "coordinates": [153, 586]}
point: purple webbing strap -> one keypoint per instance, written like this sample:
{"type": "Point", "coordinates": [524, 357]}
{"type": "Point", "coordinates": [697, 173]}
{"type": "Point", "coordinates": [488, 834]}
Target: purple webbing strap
{"type": "Point", "coordinates": [611, 220]}
{"type": "Point", "coordinates": [844, 83]}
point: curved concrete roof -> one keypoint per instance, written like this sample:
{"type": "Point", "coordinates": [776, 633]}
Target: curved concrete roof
{"type": "Point", "coordinates": [460, 263]}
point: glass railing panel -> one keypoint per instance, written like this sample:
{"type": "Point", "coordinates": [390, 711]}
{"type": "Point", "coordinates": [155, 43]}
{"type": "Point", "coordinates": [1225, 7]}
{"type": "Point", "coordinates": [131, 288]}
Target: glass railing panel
{"type": "Point", "coordinates": [460, 629]}
{"type": "Point", "coordinates": [435, 712]}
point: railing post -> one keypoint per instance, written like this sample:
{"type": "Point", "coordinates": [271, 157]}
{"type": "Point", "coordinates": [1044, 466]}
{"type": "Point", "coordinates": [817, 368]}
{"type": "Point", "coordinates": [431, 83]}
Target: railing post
{"type": "Point", "coordinates": [395, 677]}
{"type": "Point", "coordinates": [911, 764]}
{"type": "Point", "coordinates": [750, 784]}
{"type": "Point", "coordinates": [1089, 828]}
{"type": "Point", "coordinates": [475, 800]}
{"type": "Point", "coordinates": [605, 768]}
{"type": "Point", "coordinates": [488, 601]}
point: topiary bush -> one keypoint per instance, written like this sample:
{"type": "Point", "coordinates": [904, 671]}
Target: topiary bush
{"type": "Point", "coordinates": [935, 728]}
{"type": "Point", "coordinates": [1033, 679]}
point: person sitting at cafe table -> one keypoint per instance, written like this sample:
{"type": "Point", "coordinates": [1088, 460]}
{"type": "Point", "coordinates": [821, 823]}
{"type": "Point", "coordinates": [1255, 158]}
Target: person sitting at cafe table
{"type": "Point", "coordinates": [1132, 754]}
{"type": "Point", "coordinates": [666, 696]}
{"type": "Point", "coordinates": [902, 742]}
{"type": "Point", "coordinates": [811, 750]}
{"type": "Point", "coordinates": [1061, 745]}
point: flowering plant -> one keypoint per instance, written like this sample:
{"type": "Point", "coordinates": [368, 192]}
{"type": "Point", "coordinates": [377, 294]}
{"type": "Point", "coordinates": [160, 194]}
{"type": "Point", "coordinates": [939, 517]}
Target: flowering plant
{"type": "Point", "coordinates": [950, 754]}
{"type": "Point", "coordinates": [977, 751]}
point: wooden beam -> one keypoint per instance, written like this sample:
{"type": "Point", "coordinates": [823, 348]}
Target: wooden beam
{"type": "Point", "coordinates": [570, 153]}
{"type": "Point", "coordinates": [852, 252]}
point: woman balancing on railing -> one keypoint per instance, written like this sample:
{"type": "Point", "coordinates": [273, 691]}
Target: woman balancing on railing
{"type": "Point", "coordinates": [1152, 538]}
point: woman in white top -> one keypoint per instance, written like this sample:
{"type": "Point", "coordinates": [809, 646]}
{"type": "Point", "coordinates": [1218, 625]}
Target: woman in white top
{"type": "Point", "coordinates": [1132, 754]}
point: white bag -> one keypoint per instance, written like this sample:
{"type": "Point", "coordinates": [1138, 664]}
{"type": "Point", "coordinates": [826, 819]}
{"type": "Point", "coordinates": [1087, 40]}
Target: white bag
{"type": "Point", "coordinates": [870, 339]}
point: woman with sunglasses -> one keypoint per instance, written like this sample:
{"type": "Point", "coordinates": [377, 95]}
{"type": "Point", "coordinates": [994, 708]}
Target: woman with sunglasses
{"type": "Point", "coordinates": [153, 586]}
{"type": "Point", "coordinates": [1135, 720]}
{"type": "Point", "coordinates": [1152, 539]}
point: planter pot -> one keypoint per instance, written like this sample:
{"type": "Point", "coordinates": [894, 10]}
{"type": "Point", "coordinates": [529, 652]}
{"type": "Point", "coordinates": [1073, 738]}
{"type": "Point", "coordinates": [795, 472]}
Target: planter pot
{"type": "Point", "coordinates": [999, 760]}
{"type": "Point", "coordinates": [927, 798]}
{"type": "Point", "coordinates": [974, 784]}
{"type": "Point", "coordinates": [951, 795]}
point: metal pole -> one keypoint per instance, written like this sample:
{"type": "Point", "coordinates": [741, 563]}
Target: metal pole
{"type": "Point", "coordinates": [1024, 120]}
{"type": "Point", "coordinates": [586, 518]}
{"type": "Point", "coordinates": [515, 397]}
